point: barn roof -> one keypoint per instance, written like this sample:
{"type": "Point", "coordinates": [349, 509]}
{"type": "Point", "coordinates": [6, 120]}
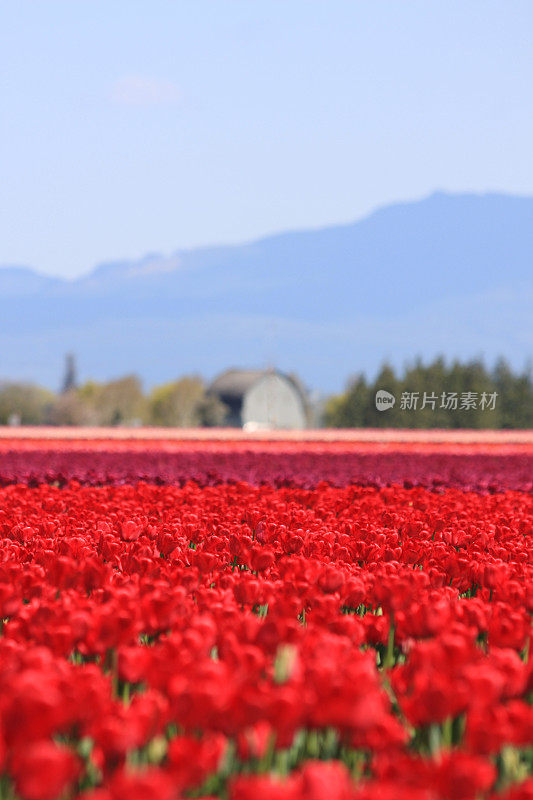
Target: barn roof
{"type": "Point", "coordinates": [236, 382]}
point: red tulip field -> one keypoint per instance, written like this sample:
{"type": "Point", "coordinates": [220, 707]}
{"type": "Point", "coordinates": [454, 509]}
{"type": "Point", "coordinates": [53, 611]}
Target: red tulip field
{"type": "Point", "coordinates": [286, 620]}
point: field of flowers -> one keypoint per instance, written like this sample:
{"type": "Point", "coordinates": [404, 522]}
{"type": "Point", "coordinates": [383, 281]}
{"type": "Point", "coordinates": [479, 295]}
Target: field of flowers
{"type": "Point", "coordinates": [256, 621]}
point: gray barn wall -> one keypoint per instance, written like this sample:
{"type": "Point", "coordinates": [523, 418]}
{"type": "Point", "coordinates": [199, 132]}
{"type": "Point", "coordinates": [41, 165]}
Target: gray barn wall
{"type": "Point", "coordinates": [273, 402]}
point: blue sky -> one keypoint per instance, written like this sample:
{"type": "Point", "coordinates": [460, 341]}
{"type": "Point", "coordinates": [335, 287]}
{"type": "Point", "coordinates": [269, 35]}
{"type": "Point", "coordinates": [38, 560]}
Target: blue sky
{"type": "Point", "coordinates": [128, 127]}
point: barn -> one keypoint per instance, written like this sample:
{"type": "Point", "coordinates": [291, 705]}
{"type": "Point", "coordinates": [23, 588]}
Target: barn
{"type": "Point", "coordinates": [261, 399]}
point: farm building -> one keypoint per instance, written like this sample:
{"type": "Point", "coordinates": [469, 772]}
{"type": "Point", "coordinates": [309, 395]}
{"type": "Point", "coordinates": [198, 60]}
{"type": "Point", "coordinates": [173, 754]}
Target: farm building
{"type": "Point", "coordinates": [260, 399]}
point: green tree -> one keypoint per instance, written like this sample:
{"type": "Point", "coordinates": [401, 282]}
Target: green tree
{"type": "Point", "coordinates": [184, 403]}
{"type": "Point", "coordinates": [391, 418]}
{"type": "Point", "coordinates": [443, 394]}
{"type": "Point", "coordinates": [347, 410]}
{"type": "Point", "coordinates": [118, 402]}
{"type": "Point", "coordinates": [25, 403]}
{"type": "Point", "coordinates": [515, 395]}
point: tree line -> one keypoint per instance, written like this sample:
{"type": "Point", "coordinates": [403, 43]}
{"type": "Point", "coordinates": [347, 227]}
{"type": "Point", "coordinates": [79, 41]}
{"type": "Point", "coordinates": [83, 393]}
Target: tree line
{"type": "Point", "coordinates": [437, 395]}
{"type": "Point", "coordinates": [181, 403]}
{"type": "Point", "coordinates": [433, 395]}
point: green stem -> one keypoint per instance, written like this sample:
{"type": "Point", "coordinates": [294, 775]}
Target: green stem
{"type": "Point", "coordinates": [388, 661]}
{"type": "Point", "coordinates": [447, 731]}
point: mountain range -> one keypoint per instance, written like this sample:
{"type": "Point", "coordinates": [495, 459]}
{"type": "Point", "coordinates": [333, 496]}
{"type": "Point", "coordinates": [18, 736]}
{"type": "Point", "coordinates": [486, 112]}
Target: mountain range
{"type": "Point", "coordinates": [449, 274]}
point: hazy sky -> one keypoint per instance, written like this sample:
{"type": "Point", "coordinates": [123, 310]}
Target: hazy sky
{"type": "Point", "coordinates": [129, 126]}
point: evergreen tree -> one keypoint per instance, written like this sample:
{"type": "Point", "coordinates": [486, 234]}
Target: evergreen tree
{"type": "Point", "coordinates": [347, 410]}
{"type": "Point", "coordinates": [70, 379]}
{"type": "Point", "coordinates": [386, 380]}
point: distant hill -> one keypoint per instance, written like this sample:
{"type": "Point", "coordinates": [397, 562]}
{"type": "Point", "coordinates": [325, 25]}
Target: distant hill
{"type": "Point", "coordinates": [449, 274]}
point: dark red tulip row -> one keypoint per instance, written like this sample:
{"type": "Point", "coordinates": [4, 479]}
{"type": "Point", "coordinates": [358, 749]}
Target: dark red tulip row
{"type": "Point", "coordinates": [275, 463]}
